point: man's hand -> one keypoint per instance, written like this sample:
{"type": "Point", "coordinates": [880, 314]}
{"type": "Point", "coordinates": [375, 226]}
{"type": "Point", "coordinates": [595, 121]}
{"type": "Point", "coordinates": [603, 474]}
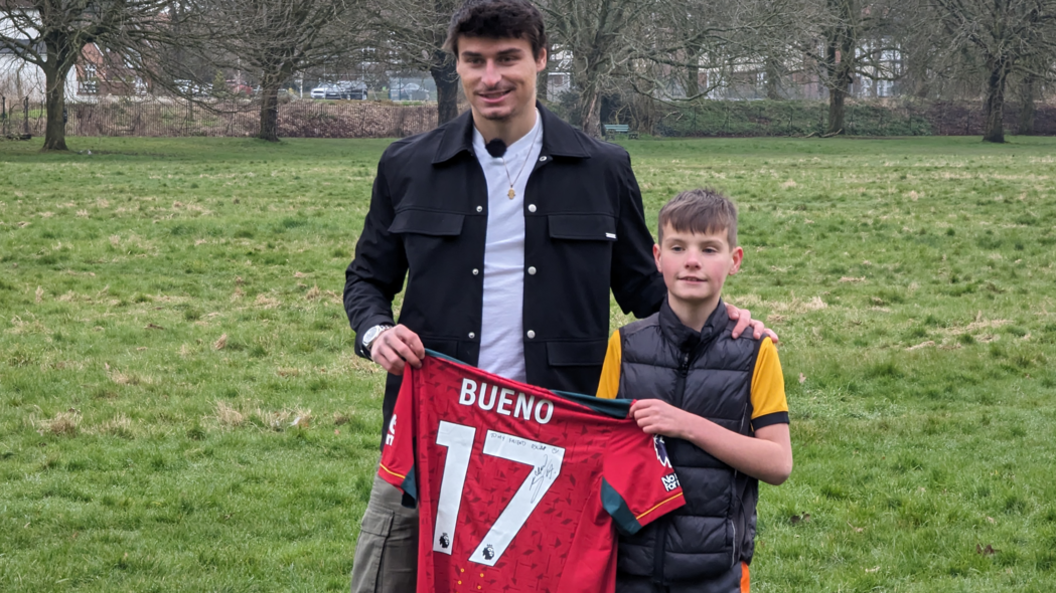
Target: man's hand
{"type": "Point", "coordinates": [659, 417]}
{"type": "Point", "coordinates": [743, 317]}
{"type": "Point", "coordinates": [397, 347]}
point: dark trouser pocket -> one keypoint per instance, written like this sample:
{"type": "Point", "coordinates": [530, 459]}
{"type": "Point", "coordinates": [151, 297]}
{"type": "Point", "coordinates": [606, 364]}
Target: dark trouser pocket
{"type": "Point", "coordinates": [386, 553]}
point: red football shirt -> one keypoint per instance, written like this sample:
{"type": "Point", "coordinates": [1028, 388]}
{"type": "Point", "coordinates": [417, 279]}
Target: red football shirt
{"type": "Point", "coordinates": [520, 488]}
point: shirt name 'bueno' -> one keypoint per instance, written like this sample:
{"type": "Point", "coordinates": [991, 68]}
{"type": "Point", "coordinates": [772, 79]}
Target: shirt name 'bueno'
{"type": "Point", "coordinates": [501, 400]}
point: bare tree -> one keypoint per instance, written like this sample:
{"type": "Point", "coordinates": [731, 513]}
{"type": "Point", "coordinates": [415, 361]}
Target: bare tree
{"type": "Point", "coordinates": [839, 54]}
{"type": "Point", "coordinates": [413, 34]}
{"type": "Point", "coordinates": [709, 42]}
{"type": "Point", "coordinates": [1008, 36]}
{"type": "Point", "coordinates": [597, 35]}
{"type": "Point", "coordinates": [613, 44]}
{"type": "Point", "coordinates": [52, 33]}
{"type": "Point", "coordinates": [275, 39]}
{"type": "Point", "coordinates": [851, 40]}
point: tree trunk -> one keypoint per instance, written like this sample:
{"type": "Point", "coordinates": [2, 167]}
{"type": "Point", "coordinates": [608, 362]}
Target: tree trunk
{"type": "Point", "coordinates": [994, 110]}
{"type": "Point", "coordinates": [446, 78]}
{"type": "Point", "coordinates": [269, 111]}
{"type": "Point", "coordinates": [831, 65]}
{"type": "Point", "coordinates": [1027, 91]}
{"type": "Point", "coordinates": [773, 78]}
{"type": "Point", "coordinates": [837, 99]}
{"type": "Point", "coordinates": [587, 82]}
{"type": "Point", "coordinates": [590, 112]}
{"type": "Point", "coordinates": [840, 63]}
{"type": "Point", "coordinates": [692, 81]}
{"type": "Point", "coordinates": [55, 71]}
{"type": "Point", "coordinates": [693, 72]}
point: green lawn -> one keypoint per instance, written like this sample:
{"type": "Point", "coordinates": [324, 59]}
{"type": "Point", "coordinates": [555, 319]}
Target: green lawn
{"type": "Point", "coordinates": [180, 408]}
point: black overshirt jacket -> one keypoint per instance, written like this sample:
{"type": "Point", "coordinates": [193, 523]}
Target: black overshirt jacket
{"type": "Point", "coordinates": [584, 233]}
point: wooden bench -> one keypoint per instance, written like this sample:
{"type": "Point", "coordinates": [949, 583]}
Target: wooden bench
{"type": "Point", "coordinates": [612, 129]}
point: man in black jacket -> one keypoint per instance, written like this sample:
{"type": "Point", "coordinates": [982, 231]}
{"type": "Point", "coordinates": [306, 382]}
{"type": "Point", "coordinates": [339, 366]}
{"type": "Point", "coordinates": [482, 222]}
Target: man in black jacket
{"type": "Point", "coordinates": [511, 228]}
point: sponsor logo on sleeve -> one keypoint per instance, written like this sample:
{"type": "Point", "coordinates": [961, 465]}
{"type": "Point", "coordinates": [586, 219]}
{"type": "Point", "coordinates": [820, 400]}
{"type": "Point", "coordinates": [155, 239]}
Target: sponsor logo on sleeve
{"type": "Point", "coordinates": [670, 482]}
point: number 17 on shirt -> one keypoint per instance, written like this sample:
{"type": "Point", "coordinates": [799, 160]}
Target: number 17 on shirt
{"type": "Point", "coordinates": [520, 488]}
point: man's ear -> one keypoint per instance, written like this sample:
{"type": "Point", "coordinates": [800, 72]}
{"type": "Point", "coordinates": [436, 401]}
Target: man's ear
{"type": "Point", "coordinates": [540, 63]}
{"type": "Point", "coordinates": [656, 256]}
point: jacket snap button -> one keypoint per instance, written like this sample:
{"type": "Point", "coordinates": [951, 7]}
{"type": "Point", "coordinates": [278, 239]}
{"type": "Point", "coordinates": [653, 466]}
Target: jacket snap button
{"type": "Point", "coordinates": [472, 335]}
{"type": "Point", "coordinates": [476, 271]}
{"type": "Point", "coordinates": [531, 270]}
{"type": "Point", "coordinates": [480, 208]}
{"type": "Point", "coordinates": [531, 207]}
{"type": "Point", "coordinates": [531, 334]}
{"type": "Point", "coordinates": [542, 159]}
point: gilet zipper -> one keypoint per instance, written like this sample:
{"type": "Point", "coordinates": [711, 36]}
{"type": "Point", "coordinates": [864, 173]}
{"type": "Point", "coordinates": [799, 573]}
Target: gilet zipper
{"type": "Point", "coordinates": [740, 501]}
{"type": "Point", "coordinates": [658, 550]}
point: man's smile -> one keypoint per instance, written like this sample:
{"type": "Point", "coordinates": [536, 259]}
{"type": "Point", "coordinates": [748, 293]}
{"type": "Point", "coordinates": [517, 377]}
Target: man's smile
{"type": "Point", "coordinates": [494, 96]}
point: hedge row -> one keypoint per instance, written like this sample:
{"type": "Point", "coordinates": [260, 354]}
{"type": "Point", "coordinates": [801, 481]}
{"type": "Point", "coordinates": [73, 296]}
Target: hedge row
{"type": "Point", "coordinates": [862, 118]}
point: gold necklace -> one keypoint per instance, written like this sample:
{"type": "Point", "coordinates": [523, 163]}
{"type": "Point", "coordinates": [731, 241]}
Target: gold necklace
{"type": "Point", "coordinates": [513, 193]}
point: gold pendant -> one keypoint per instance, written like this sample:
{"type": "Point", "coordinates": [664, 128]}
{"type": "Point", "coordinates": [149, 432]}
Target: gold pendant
{"type": "Point", "coordinates": [511, 193]}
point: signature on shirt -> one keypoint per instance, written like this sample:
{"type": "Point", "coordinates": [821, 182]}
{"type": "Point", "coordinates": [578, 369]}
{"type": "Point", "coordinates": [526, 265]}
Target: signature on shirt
{"type": "Point", "coordinates": [542, 475]}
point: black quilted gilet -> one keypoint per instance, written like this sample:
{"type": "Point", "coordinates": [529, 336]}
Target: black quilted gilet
{"type": "Point", "coordinates": [708, 374]}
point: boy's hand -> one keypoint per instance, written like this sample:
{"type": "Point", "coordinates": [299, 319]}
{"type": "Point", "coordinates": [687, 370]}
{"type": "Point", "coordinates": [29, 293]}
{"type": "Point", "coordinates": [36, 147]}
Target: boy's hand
{"type": "Point", "coordinates": [659, 417]}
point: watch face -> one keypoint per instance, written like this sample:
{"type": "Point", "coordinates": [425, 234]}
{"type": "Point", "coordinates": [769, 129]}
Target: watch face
{"type": "Point", "coordinates": [371, 334]}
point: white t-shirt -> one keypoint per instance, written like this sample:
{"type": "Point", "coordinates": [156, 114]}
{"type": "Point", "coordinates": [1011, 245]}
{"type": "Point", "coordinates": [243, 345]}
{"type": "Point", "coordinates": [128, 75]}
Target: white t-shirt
{"type": "Point", "coordinates": [502, 322]}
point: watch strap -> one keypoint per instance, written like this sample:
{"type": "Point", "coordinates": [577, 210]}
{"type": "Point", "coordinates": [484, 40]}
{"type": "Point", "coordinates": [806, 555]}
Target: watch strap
{"type": "Point", "coordinates": [374, 333]}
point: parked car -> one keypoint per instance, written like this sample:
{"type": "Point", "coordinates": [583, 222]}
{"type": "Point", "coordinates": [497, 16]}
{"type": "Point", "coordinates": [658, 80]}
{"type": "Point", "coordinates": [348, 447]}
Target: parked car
{"type": "Point", "coordinates": [191, 88]}
{"type": "Point", "coordinates": [408, 91]}
{"type": "Point", "coordinates": [341, 90]}
{"type": "Point", "coordinates": [239, 88]}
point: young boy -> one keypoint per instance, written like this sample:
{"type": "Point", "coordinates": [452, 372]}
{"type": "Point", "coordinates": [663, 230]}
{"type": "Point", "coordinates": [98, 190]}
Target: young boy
{"type": "Point", "coordinates": [719, 401]}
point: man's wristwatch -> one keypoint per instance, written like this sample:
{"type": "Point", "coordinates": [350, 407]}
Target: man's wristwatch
{"type": "Point", "coordinates": [372, 334]}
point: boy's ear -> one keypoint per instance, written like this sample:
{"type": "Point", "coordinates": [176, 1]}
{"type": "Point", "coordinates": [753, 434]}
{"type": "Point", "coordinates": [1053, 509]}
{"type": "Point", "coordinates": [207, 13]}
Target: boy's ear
{"type": "Point", "coordinates": [656, 256]}
{"type": "Point", "coordinates": [738, 256]}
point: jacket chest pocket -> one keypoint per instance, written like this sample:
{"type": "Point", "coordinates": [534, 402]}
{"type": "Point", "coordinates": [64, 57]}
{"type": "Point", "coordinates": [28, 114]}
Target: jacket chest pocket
{"type": "Point", "coordinates": [427, 235]}
{"type": "Point", "coordinates": [583, 244]}
{"type": "Point", "coordinates": [582, 227]}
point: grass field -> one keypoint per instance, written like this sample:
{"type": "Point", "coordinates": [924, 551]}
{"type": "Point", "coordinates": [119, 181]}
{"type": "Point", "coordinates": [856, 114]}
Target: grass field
{"type": "Point", "coordinates": [180, 408]}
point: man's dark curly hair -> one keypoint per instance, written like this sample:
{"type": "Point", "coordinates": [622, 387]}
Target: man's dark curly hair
{"type": "Point", "coordinates": [497, 19]}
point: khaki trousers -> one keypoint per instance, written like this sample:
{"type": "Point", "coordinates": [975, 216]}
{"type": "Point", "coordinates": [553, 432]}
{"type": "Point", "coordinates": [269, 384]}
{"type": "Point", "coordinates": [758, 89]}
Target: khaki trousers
{"type": "Point", "coordinates": [386, 559]}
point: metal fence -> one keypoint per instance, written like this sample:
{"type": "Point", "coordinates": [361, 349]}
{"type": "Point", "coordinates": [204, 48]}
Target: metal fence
{"type": "Point", "coordinates": [16, 118]}
{"type": "Point", "coordinates": [299, 118]}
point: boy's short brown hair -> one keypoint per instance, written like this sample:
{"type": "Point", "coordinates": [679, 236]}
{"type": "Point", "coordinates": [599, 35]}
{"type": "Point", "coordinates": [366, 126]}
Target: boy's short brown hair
{"type": "Point", "coordinates": [702, 211]}
{"type": "Point", "coordinates": [498, 19]}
